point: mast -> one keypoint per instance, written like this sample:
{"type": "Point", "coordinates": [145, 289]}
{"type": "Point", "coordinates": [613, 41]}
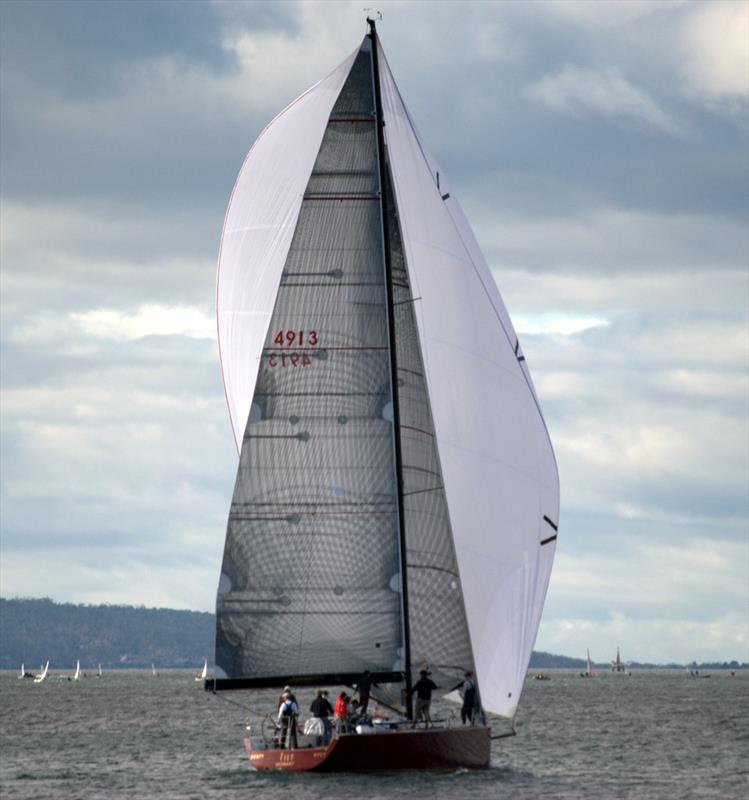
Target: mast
{"type": "Point", "coordinates": [393, 364]}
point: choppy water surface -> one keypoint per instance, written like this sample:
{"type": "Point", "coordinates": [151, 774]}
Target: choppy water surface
{"type": "Point", "coordinates": [129, 735]}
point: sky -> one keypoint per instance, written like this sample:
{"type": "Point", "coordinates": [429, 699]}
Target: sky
{"type": "Point", "coordinates": [601, 153]}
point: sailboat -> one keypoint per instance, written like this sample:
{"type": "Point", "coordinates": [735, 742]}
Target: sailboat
{"type": "Point", "coordinates": [77, 673]}
{"type": "Point", "coordinates": [25, 674]}
{"type": "Point", "coordinates": [43, 674]}
{"type": "Point", "coordinates": [617, 666]}
{"type": "Point", "coordinates": [98, 672]}
{"type": "Point", "coordinates": [589, 673]}
{"type": "Point", "coordinates": [397, 498]}
{"type": "Point", "coordinates": [203, 674]}
{"type": "Point", "coordinates": [154, 673]}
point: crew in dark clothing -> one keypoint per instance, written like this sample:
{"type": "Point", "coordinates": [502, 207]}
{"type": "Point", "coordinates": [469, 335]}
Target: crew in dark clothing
{"type": "Point", "coordinates": [467, 689]}
{"type": "Point", "coordinates": [423, 688]}
{"type": "Point", "coordinates": [363, 687]}
{"type": "Point", "coordinates": [321, 708]}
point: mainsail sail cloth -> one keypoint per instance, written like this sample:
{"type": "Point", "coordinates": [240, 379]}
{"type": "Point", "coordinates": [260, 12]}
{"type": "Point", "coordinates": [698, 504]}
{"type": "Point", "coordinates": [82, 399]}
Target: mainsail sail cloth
{"type": "Point", "coordinates": [374, 522]}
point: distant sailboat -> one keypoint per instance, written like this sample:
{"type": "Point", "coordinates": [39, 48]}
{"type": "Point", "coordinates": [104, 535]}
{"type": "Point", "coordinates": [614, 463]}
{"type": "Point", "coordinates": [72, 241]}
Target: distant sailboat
{"type": "Point", "coordinates": [43, 674]}
{"type": "Point", "coordinates": [203, 674]}
{"type": "Point", "coordinates": [617, 666]}
{"type": "Point", "coordinates": [98, 672]}
{"type": "Point", "coordinates": [589, 673]}
{"type": "Point", "coordinates": [154, 674]}
{"type": "Point", "coordinates": [77, 674]}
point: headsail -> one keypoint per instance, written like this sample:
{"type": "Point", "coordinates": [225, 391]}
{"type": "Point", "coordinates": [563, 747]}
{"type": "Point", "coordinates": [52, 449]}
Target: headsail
{"type": "Point", "coordinates": [589, 668]}
{"type": "Point", "coordinates": [497, 463]}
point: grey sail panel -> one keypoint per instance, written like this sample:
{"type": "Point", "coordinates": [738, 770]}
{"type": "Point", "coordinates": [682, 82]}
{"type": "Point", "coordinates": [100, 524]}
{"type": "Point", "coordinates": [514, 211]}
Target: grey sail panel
{"type": "Point", "coordinates": [438, 628]}
{"type": "Point", "coordinates": [310, 580]}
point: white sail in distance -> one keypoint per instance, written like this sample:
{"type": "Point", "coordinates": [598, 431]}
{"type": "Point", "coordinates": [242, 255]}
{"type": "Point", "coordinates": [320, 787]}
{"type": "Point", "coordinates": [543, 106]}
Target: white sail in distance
{"type": "Point", "coordinates": [483, 434]}
{"type": "Point", "coordinates": [43, 674]}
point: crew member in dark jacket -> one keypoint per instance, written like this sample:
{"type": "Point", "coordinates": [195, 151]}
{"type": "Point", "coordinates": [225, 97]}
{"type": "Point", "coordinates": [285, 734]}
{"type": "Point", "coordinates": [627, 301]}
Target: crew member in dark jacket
{"type": "Point", "coordinates": [467, 689]}
{"type": "Point", "coordinates": [363, 687]}
{"type": "Point", "coordinates": [321, 708]}
{"type": "Point", "coordinates": [423, 688]}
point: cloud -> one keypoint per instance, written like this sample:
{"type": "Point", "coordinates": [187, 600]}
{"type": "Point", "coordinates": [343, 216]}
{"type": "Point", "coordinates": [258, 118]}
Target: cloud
{"type": "Point", "coordinates": [646, 597]}
{"type": "Point", "coordinates": [603, 240]}
{"type": "Point", "coordinates": [148, 320]}
{"type": "Point", "coordinates": [655, 640]}
{"type": "Point", "coordinates": [715, 49]}
{"type": "Point", "coordinates": [579, 90]}
{"type": "Point", "coordinates": [557, 324]}
{"type": "Point", "coordinates": [604, 173]}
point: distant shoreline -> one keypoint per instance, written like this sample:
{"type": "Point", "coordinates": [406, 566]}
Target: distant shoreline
{"type": "Point", "coordinates": [120, 637]}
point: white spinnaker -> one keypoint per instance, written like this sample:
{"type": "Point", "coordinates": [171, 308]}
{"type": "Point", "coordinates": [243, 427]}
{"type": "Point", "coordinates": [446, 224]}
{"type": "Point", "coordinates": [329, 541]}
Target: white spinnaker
{"type": "Point", "coordinates": [497, 463]}
{"type": "Point", "coordinates": [258, 228]}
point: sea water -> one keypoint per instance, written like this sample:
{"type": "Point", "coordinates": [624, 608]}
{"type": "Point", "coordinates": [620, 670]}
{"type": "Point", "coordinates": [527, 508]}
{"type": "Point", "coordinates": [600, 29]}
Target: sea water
{"type": "Point", "coordinates": [653, 734]}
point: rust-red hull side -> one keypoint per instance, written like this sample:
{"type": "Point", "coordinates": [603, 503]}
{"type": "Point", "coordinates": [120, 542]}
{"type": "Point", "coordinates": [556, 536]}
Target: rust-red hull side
{"type": "Point", "coordinates": [442, 748]}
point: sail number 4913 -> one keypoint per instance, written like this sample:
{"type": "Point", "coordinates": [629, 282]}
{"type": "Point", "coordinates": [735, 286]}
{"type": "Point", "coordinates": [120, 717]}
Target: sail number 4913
{"type": "Point", "coordinates": [296, 338]}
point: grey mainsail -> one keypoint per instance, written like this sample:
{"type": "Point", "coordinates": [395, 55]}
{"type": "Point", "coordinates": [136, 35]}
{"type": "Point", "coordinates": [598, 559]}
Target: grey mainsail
{"type": "Point", "coordinates": [311, 584]}
{"type": "Point", "coordinates": [310, 579]}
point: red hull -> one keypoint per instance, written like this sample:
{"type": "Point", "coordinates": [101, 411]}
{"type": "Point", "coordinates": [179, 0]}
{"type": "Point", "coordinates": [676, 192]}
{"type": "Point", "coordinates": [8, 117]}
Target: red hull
{"type": "Point", "coordinates": [440, 748]}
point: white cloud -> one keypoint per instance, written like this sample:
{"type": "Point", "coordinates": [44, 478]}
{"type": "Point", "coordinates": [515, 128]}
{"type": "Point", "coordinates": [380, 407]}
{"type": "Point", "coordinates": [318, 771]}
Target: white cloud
{"type": "Point", "coordinates": [715, 50]}
{"type": "Point", "coordinates": [610, 293]}
{"type": "Point", "coordinates": [644, 597]}
{"type": "Point", "coordinates": [107, 574]}
{"type": "Point", "coordinates": [652, 640]}
{"type": "Point", "coordinates": [557, 324]}
{"type": "Point", "coordinates": [611, 15]}
{"type": "Point", "coordinates": [607, 92]}
{"type": "Point", "coordinates": [600, 240]}
{"type": "Point", "coordinates": [147, 320]}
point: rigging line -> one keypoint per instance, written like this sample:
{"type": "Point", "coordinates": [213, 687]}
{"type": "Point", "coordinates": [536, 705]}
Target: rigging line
{"type": "Point", "coordinates": [418, 430]}
{"type": "Point", "coordinates": [398, 711]}
{"type": "Point", "coordinates": [478, 275]}
{"type": "Point", "coordinates": [422, 491]}
{"type": "Point", "coordinates": [246, 709]}
{"type": "Point", "coordinates": [436, 569]}
{"type": "Point", "coordinates": [319, 349]}
{"type": "Point", "coordinates": [513, 732]}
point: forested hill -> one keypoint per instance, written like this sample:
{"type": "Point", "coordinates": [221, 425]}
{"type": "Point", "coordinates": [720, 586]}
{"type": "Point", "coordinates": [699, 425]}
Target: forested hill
{"type": "Point", "coordinates": [32, 631]}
